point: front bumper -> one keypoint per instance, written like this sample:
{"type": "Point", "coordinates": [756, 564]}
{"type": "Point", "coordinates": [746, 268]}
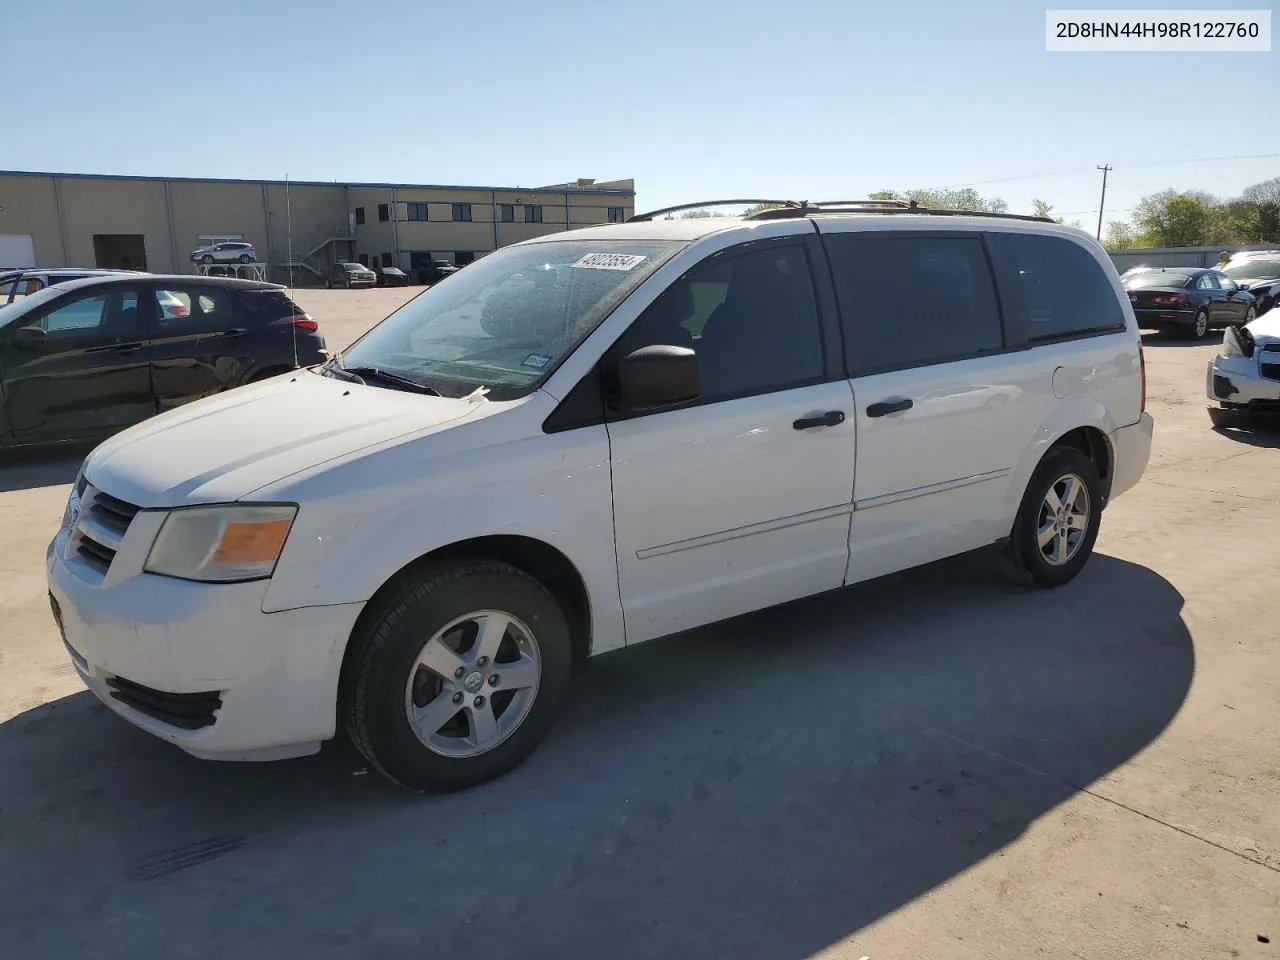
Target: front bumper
{"type": "Point", "coordinates": [1238, 382]}
{"type": "Point", "coordinates": [199, 665]}
{"type": "Point", "coordinates": [1131, 451]}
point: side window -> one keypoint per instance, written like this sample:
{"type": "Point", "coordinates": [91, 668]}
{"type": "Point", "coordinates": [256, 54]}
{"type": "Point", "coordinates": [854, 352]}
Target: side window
{"type": "Point", "coordinates": [194, 308]}
{"type": "Point", "coordinates": [507, 213]}
{"type": "Point", "coordinates": [751, 319]}
{"type": "Point", "coordinates": [908, 301]}
{"type": "Point", "coordinates": [113, 312]}
{"type": "Point", "coordinates": [1225, 282]}
{"type": "Point", "coordinates": [1062, 289]}
{"type": "Point", "coordinates": [79, 315]}
{"type": "Point", "coordinates": [1206, 281]}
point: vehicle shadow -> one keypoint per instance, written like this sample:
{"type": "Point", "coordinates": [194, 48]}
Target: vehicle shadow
{"type": "Point", "coordinates": [1158, 338]}
{"type": "Point", "coordinates": [759, 789]}
{"type": "Point", "coordinates": [1264, 432]}
{"type": "Point", "coordinates": [48, 467]}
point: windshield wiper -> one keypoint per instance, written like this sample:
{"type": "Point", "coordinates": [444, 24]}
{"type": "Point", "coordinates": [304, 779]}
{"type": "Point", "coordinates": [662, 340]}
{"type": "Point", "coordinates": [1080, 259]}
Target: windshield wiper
{"type": "Point", "coordinates": [364, 373]}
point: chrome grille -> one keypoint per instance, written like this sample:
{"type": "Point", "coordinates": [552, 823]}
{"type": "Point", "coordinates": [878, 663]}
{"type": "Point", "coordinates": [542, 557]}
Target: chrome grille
{"type": "Point", "coordinates": [100, 527]}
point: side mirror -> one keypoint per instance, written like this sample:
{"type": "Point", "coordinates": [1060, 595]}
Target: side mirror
{"type": "Point", "coordinates": [658, 376]}
{"type": "Point", "coordinates": [29, 336]}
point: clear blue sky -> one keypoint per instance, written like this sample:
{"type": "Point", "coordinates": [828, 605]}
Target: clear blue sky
{"type": "Point", "coordinates": [692, 98]}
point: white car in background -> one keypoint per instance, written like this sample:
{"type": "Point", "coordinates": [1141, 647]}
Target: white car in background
{"type": "Point", "coordinates": [1243, 381]}
{"type": "Point", "coordinates": [236, 251]}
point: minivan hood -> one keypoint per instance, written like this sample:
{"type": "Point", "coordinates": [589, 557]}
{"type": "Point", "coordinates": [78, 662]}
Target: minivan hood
{"type": "Point", "coordinates": [224, 447]}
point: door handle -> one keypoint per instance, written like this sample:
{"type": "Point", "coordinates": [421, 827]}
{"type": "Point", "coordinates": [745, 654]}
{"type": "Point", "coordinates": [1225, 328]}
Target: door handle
{"type": "Point", "coordinates": [886, 407]}
{"type": "Point", "coordinates": [126, 347]}
{"type": "Point", "coordinates": [831, 418]}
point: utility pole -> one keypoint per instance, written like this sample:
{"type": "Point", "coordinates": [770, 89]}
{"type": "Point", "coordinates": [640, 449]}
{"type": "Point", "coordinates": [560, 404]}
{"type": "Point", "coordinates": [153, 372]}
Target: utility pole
{"type": "Point", "coordinates": [1105, 168]}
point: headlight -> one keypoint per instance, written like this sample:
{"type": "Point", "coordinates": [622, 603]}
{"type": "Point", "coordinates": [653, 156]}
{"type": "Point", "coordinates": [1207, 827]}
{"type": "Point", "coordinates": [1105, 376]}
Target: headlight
{"type": "Point", "coordinates": [1237, 342]}
{"type": "Point", "coordinates": [221, 544]}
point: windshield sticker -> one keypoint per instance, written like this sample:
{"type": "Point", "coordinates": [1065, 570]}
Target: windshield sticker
{"type": "Point", "coordinates": [537, 360]}
{"type": "Point", "coordinates": [610, 261]}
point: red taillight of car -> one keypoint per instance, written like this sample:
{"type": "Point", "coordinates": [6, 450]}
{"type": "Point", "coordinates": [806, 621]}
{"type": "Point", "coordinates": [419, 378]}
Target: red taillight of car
{"type": "Point", "coordinates": [1169, 299]}
{"type": "Point", "coordinates": [304, 322]}
{"type": "Point", "coordinates": [1142, 370]}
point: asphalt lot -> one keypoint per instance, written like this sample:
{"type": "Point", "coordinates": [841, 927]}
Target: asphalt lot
{"type": "Point", "coordinates": [939, 764]}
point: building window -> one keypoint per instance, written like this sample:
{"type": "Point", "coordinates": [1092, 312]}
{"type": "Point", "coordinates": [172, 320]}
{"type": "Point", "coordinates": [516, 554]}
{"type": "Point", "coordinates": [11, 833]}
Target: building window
{"type": "Point", "coordinates": [507, 213]}
{"type": "Point", "coordinates": [462, 212]}
{"type": "Point", "coordinates": [617, 214]}
{"type": "Point", "coordinates": [533, 214]}
{"type": "Point", "coordinates": [387, 260]}
{"type": "Point", "coordinates": [364, 259]}
{"type": "Point", "coordinates": [416, 211]}
{"type": "Point", "coordinates": [384, 212]}
{"type": "Point", "coordinates": [359, 215]}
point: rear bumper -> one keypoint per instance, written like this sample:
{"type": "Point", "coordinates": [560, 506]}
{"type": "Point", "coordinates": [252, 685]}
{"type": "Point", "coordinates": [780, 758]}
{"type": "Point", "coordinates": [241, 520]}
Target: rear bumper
{"type": "Point", "coordinates": [1131, 450]}
{"type": "Point", "coordinates": [1160, 317]}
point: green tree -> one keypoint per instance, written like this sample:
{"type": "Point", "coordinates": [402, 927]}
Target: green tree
{"type": "Point", "coordinates": [1174, 218]}
{"type": "Point", "coordinates": [1119, 235]}
{"type": "Point", "coordinates": [766, 205]}
{"type": "Point", "coordinates": [1043, 208]}
{"type": "Point", "coordinates": [963, 198]}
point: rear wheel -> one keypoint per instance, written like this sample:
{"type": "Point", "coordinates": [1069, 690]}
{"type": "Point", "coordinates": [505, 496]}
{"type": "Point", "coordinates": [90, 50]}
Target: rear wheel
{"type": "Point", "coordinates": [1057, 523]}
{"type": "Point", "coordinates": [1200, 324]}
{"type": "Point", "coordinates": [1249, 316]}
{"type": "Point", "coordinates": [457, 677]}
{"type": "Point", "coordinates": [245, 258]}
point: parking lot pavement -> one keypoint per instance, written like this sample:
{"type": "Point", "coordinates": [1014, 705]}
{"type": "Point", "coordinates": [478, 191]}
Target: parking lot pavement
{"type": "Point", "coordinates": [940, 764]}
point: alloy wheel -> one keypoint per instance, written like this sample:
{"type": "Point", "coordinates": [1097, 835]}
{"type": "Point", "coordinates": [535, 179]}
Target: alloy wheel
{"type": "Point", "coordinates": [473, 684]}
{"type": "Point", "coordinates": [1064, 519]}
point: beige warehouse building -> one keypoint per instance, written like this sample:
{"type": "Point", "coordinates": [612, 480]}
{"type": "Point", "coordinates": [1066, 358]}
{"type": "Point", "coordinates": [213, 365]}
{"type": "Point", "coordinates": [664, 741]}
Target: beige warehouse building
{"type": "Point", "coordinates": [153, 223]}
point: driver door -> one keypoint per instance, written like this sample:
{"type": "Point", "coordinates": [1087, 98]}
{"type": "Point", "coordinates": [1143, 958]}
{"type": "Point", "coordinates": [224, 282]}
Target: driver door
{"type": "Point", "coordinates": [78, 368]}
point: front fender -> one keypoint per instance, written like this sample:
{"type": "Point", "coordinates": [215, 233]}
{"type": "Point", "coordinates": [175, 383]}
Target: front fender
{"type": "Point", "coordinates": [362, 522]}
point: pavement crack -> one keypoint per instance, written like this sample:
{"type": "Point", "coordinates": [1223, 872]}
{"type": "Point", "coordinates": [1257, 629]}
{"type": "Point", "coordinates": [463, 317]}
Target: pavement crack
{"type": "Point", "coordinates": [1099, 796]}
{"type": "Point", "coordinates": [1219, 493]}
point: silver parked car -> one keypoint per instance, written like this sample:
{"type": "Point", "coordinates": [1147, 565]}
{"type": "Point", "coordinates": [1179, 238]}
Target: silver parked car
{"type": "Point", "coordinates": [233, 251]}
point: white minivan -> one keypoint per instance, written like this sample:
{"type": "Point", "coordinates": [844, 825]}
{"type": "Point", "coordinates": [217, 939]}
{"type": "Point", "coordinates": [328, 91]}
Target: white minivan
{"type": "Point", "coordinates": [586, 441]}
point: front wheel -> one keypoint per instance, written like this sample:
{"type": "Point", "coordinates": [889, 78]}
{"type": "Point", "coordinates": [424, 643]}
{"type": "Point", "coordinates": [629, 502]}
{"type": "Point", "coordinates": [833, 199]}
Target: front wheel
{"type": "Point", "coordinates": [1057, 523]}
{"type": "Point", "coordinates": [1229, 418]}
{"type": "Point", "coordinates": [458, 676]}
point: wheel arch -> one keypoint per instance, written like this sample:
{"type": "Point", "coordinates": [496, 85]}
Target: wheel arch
{"type": "Point", "coordinates": [1084, 424]}
{"type": "Point", "coordinates": [537, 558]}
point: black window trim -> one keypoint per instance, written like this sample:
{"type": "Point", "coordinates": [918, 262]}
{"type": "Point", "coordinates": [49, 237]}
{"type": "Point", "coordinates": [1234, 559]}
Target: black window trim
{"type": "Point", "coordinates": [578, 407]}
{"type": "Point", "coordinates": [112, 291]}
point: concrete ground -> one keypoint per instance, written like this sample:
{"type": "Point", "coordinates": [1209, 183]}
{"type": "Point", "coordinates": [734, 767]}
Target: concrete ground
{"type": "Point", "coordinates": [938, 765]}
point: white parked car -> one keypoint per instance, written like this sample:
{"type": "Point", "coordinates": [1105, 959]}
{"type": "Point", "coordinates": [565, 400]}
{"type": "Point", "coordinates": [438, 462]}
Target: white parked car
{"type": "Point", "coordinates": [231, 251]}
{"type": "Point", "coordinates": [1243, 381]}
{"type": "Point", "coordinates": [676, 422]}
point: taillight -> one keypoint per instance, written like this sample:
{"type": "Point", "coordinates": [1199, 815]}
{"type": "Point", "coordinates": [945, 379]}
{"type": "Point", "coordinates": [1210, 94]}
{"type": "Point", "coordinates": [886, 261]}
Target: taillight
{"type": "Point", "coordinates": [1142, 370]}
{"type": "Point", "coordinates": [1169, 299]}
{"type": "Point", "coordinates": [303, 322]}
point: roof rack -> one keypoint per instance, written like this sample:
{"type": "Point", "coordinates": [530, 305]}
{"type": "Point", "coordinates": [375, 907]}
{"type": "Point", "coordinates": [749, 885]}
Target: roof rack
{"type": "Point", "coordinates": [704, 204]}
{"type": "Point", "coordinates": [878, 206]}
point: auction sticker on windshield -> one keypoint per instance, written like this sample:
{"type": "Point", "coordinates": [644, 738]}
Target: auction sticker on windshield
{"type": "Point", "coordinates": [610, 261]}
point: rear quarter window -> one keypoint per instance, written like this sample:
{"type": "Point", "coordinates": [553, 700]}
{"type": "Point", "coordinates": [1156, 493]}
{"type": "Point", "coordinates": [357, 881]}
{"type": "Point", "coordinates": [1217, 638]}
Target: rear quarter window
{"type": "Point", "coordinates": [1056, 288]}
{"type": "Point", "coordinates": [267, 304]}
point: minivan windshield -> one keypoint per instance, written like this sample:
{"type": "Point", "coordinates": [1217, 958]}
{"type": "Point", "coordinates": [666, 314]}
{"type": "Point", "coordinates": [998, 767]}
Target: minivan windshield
{"type": "Point", "coordinates": [507, 320]}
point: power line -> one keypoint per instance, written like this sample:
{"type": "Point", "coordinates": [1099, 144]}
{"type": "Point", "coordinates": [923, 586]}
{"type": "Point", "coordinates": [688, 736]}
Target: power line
{"type": "Point", "coordinates": [1140, 163]}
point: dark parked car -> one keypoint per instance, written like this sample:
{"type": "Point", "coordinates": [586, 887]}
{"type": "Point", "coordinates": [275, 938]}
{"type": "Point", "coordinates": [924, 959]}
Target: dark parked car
{"type": "Point", "coordinates": [391, 277]}
{"type": "Point", "coordinates": [1257, 271]}
{"type": "Point", "coordinates": [350, 275]}
{"type": "Point", "coordinates": [1190, 299]}
{"type": "Point", "coordinates": [436, 271]}
{"type": "Point", "coordinates": [86, 358]}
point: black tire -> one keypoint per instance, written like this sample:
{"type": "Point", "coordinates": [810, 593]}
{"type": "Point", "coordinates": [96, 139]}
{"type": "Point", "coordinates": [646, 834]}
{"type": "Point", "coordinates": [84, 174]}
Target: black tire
{"type": "Point", "coordinates": [206, 259]}
{"type": "Point", "coordinates": [245, 258]}
{"type": "Point", "coordinates": [1227, 418]}
{"type": "Point", "coordinates": [1199, 328]}
{"type": "Point", "coordinates": [388, 642]}
{"type": "Point", "coordinates": [1249, 316]}
{"type": "Point", "coordinates": [1028, 558]}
